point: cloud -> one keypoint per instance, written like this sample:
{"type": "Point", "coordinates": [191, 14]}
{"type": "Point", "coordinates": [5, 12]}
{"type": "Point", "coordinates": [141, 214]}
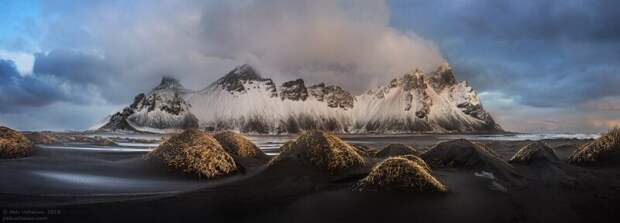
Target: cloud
{"type": "Point", "coordinates": [17, 90]}
{"type": "Point", "coordinates": [545, 58]}
{"type": "Point", "coordinates": [20, 92]}
{"type": "Point", "coordinates": [548, 53]}
{"type": "Point", "coordinates": [318, 40]}
{"type": "Point", "coordinates": [105, 52]}
{"type": "Point", "coordinates": [322, 40]}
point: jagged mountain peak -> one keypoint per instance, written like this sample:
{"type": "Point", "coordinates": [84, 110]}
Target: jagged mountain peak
{"type": "Point", "coordinates": [443, 67]}
{"type": "Point", "coordinates": [333, 95]}
{"type": "Point", "coordinates": [294, 90]}
{"type": "Point", "coordinates": [243, 72]}
{"type": "Point", "coordinates": [236, 80]}
{"type": "Point", "coordinates": [168, 82]}
{"type": "Point", "coordinates": [243, 100]}
{"type": "Point", "coordinates": [442, 77]}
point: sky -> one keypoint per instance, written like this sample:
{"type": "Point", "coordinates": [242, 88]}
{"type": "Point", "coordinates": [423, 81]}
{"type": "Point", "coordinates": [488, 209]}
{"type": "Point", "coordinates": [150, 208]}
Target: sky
{"type": "Point", "coordinates": [538, 66]}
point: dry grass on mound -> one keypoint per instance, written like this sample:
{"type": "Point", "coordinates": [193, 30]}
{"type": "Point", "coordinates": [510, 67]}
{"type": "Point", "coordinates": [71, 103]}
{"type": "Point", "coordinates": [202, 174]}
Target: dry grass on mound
{"type": "Point", "coordinates": [41, 138]}
{"type": "Point", "coordinates": [400, 174]}
{"type": "Point", "coordinates": [605, 147]}
{"type": "Point", "coordinates": [322, 150]}
{"type": "Point", "coordinates": [537, 151]}
{"type": "Point", "coordinates": [196, 152]}
{"type": "Point", "coordinates": [103, 142]}
{"type": "Point", "coordinates": [13, 144]}
{"type": "Point", "coordinates": [397, 150]}
{"type": "Point", "coordinates": [363, 150]}
{"type": "Point", "coordinates": [418, 160]}
{"type": "Point", "coordinates": [237, 144]}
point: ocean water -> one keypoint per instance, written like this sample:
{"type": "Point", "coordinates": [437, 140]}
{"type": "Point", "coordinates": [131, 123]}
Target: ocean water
{"type": "Point", "coordinates": [271, 143]}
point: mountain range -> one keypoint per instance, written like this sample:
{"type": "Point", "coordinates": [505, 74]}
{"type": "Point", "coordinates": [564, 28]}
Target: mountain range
{"type": "Point", "coordinates": [245, 101]}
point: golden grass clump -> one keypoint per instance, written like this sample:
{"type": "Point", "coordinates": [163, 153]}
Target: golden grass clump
{"type": "Point", "coordinates": [397, 150]}
{"type": "Point", "coordinates": [322, 150]}
{"type": "Point", "coordinates": [604, 148]}
{"type": "Point", "coordinates": [193, 151]}
{"type": "Point", "coordinates": [418, 160]}
{"type": "Point", "coordinates": [400, 174]}
{"type": "Point", "coordinates": [537, 151]}
{"type": "Point", "coordinates": [237, 144]}
{"type": "Point", "coordinates": [13, 144]}
{"type": "Point", "coordinates": [41, 138]}
{"type": "Point", "coordinates": [104, 142]}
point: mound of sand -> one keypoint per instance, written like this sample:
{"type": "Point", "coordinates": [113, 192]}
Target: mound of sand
{"type": "Point", "coordinates": [41, 138]}
{"type": "Point", "coordinates": [534, 152]}
{"type": "Point", "coordinates": [397, 150]}
{"type": "Point", "coordinates": [604, 149]}
{"type": "Point", "coordinates": [362, 149]}
{"type": "Point", "coordinates": [418, 160]}
{"type": "Point", "coordinates": [195, 152]}
{"type": "Point", "coordinates": [464, 154]}
{"type": "Point", "coordinates": [399, 174]}
{"type": "Point", "coordinates": [236, 144]}
{"type": "Point", "coordinates": [103, 142]}
{"type": "Point", "coordinates": [13, 144]}
{"type": "Point", "coordinates": [319, 149]}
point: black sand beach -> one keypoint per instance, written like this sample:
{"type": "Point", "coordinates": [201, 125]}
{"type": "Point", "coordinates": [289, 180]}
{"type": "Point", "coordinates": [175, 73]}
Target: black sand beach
{"type": "Point", "coordinates": [88, 183]}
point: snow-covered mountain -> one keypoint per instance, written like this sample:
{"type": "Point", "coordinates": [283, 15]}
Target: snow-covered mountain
{"type": "Point", "coordinates": [162, 109]}
{"type": "Point", "coordinates": [245, 101]}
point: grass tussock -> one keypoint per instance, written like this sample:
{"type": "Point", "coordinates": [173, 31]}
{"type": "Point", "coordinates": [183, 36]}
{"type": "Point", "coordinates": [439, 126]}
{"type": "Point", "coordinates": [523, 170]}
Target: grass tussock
{"type": "Point", "coordinates": [400, 174]}
{"type": "Point", "coordinates": [418, 160]}
{"type": "Point", "coordinates": [42, 138]}
{"type": "Point", "coordinates": [536, 151]}
{"type": "Point", "coordinates": [603, 148]}
{"type": "Point", "coordinates": [194, 151]}
{"type": "Point", "coordinates": [13, 144]}
{"type": "Point", "coordinates": [237, 144]}
{"type": "Point", "coordinates": [397, 150]}
{"type": "Point", "coordinates": [103, 142]}
{"type": "Point", "coordinates": [322, 150]}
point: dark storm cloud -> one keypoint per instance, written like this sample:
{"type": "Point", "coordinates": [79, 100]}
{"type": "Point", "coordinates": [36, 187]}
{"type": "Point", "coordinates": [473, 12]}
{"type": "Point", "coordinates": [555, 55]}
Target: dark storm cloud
{"type": "Point", "coordinates": [58, 76]}
{"type": "Point", "coordinates": [545, 53]}
{"type": "Point", "coordinates": [17, 91]}
{"type": "Point", "coordinates": [75, 67]}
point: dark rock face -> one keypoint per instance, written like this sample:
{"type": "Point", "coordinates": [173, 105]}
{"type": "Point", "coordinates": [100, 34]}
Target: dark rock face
{"type": "Point", "coordinates": [414, 85]}
{"type": "Point", "coordinates": [173, 106]}
{"type": "Point", "coordinates": [475, 111]}
{"type": "Point", "coordinates": [294, 90]}
{"type": "Point", "coordinates": [118, 121]}
{"type": "Point", "coordinates": [166, 97]}
{"type": "Point", "coordinates": [168, 83]}
{"type": "Point", "coordinates": [442, 78]}
{"type": "Point", "coordinates": [333, 95]}
{"type": "Point", "coordinates": [235, 79]}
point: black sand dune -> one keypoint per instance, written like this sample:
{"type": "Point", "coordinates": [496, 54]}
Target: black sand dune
{"type": "Point", "coordinates": [397, 150]}
{"type": "Point", "coordinates": [124, 190]}
{"type": "Point", "coordinates": [462, 154]}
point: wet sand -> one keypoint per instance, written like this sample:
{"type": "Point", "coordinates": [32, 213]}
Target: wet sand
{"type": "Point", "coordinates": [119, 186]}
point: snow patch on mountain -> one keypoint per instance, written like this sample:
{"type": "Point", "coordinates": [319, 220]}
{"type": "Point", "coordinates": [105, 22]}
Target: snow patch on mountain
{"type": "Point", "coordinates": [245, 101]}
{"type": "Point", "coordinates": [164, 107]}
